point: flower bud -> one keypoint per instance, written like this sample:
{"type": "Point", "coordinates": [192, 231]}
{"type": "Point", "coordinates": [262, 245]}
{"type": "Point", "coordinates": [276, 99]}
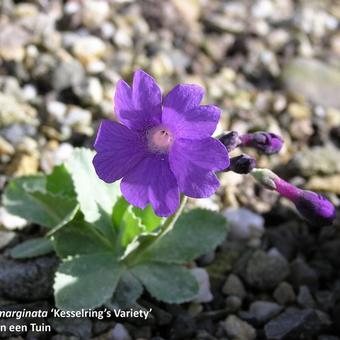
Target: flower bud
{"type": "Point", "coordinates": [315, 208]}
{"type": "Point", "coordinates": [230, 140]}
{"type": "Point", "coordinates": [242, 164]}
{"type": "Point", "coordinates": [267, 142]}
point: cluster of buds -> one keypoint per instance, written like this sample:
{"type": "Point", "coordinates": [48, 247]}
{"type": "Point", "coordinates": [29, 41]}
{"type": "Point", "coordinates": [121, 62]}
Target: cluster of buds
{"type": "Point", "coordinates": [314, 207]}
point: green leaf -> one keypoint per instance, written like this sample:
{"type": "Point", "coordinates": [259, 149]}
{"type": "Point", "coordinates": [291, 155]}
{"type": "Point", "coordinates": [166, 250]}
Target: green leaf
{"type": "Point", "coordinates": [195, 233]}
{"type": "Point", "coordinates": [25, 197]}
{"type": "Point", "coordinates": [91, 191]}
{"type": "Point", "coordinates": [129, 289]}
{"type": "Point", "coordinates": [32, 248]}
{"type": "Point", "coordinates": [76, 238]}
{"type": "Point", "coordinates": [167, 282]}
{"type": "Point", "coordinates": [60, 182]}
{"type": "Point", "coordinates": [147, 216]}
{"type": "Point", "coordinates": [118, 211]}
{"type": "Point", "coordinates": [149, 219]}
{"type": "Point", "coordinates": [86, 282]}
{"type": "Point", "coordinates": [31, 183]}
{"type": "Point", "coordinates": [105, 225]}
{"type": "Point", "coordinates": [131, 227]}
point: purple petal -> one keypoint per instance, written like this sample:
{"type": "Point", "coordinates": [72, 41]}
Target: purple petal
{"type": "Point", "coordinates": [152, 181]}
{"type": "Point", "coordinates": [118, 148]}
{"type": "Point", "coordinates": [183, 114]}
{"type": "Point", "coordinates": [139, 107]}
{"type": "Point", "coordinates": [184, 97]}
{"type": "Point", "coordinates": [193, 163]}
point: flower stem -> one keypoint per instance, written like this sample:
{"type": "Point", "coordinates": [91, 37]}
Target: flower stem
{"type": "Point", "coordinates": [132, 259]}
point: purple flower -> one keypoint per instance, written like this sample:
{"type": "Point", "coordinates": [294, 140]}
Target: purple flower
{"type": "Point", "coordinates": [242, 164]}
{"type": "Point", "coordinates": [230, 140]}
{"type": "Point", "coordinates": [160, 147]}
{"type": "Point", "coordinates": [312, 206]}
{"type": "Point", "coordinates": [267, 142]}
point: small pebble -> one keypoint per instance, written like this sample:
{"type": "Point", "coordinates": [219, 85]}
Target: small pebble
{"type": "Point", "coordinates": [238, 329]}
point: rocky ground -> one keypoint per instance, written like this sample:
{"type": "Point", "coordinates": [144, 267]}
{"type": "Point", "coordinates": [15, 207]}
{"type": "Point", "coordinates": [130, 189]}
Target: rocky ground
{"type": "Point", "coordinates": [270, 65]}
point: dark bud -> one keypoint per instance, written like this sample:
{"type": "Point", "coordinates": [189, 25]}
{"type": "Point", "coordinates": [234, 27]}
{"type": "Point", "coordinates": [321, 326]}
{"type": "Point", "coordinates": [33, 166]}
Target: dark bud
{"type": "Point", "coordinates": [315, 208]}
{"type": "Point", "coordinates": [242, 164]}
{"type": "Point", "coordinates": [230, 140]}
{"type": "Point", "coordinates": [267, 142]}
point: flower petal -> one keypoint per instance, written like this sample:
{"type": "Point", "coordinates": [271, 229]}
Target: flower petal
{"type": "Point", "coordinates": [119, 149]}
{"type": "Point", "coordinates": [139, 107]}
{"type": "Point", "coordinates": [184, 97]}
{"type": "Point", "coordinates": [183, 114]}
{"type": "Point", "coordinates": [152, 181]}
{"type": "Point", "coordinates": [193, 163]}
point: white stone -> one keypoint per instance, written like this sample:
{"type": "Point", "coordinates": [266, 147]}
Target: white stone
{"type": "Point", "coordinates": [50, 158]}
{"type": "Point", "coordinates": [95, 12]}
{"type": "Point", "coordinates": [207, 203]}
{"type": "Point", "coordinates": [204, 293]}
{"type": "Point", "coordinates": [77, 117]}
{"type": "Point", "coordinates": [10, 221]}
{"type": "Point", "coordinates": [262, 9]}
{"type": "Point", "coordinates": [119, 332]}
{"type": "Point", "coordinates": [88, 48]}
{"type": "Point", "coordinates": [57, 110]}
{"type": "Point", "coordinates": [244, 224]}
{"type": "Point", "coordinates": [29, 92]}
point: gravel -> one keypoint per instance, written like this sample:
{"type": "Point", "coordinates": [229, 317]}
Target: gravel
{"type": "Point", "coordinates": [269, 65]}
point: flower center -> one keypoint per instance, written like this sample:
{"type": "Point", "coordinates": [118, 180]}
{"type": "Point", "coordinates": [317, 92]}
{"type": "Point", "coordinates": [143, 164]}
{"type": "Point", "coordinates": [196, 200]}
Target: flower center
{"type": "Point", "coordinates": [159, 139]}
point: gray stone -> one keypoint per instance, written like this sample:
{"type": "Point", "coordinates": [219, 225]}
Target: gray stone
{"type": "Point", "coordinates": [89, 91]}
{"type": "Point", "coordinates": [78, 327]}
{"type": "Point", "coordinates": [67, 74]}
{"type": "Point", "coordinates": [294, 325]}
{"type": "Point", "coordinates": [318, 160]}
{"type": "Point", "coordinates": [119, 332]}
{"type": "Point", "coordinates": [263, 311]}
{"type": "Point", "coordinates": [284, 293]}
{"type": "Point", "coordinates": [265, 271]}
{"type": "Point", "coordinates": [313, 79]}
{"type": "Point", "coordinates": [305, 298]}
{"type": "Point", "coordinates": [239, 329]}
{"type": "Point", "coordinates": [233, 303]}
{"type": "Point", "coordinates": [16, 133]}
{"type": "Point", "coordinates": [234, 286]}
{"type": "Point", "coordinates": [27, 281]}
{"type": "Point", "coordinates": [303, 274]}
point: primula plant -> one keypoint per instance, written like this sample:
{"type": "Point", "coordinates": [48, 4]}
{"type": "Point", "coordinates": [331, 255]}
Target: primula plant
{"type": "Point", "coordinates": [115, 218]}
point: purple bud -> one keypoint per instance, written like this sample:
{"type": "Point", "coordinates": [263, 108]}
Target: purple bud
{"type": "Point", "coordinates": [314, 207]}
{"type": "Point", "coordinates": [230, 140]}
{"type": "Point", "coordinates": [267, 142]}
{"type": "Point", "coordinates": [242, 164]}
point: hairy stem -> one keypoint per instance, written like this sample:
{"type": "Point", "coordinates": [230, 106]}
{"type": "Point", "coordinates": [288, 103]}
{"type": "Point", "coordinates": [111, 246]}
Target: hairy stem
{"type": "Point", "coordinates": [165, 228]}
